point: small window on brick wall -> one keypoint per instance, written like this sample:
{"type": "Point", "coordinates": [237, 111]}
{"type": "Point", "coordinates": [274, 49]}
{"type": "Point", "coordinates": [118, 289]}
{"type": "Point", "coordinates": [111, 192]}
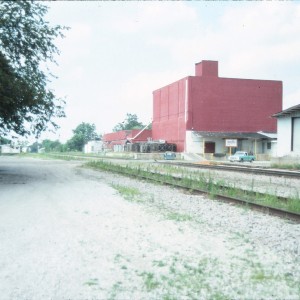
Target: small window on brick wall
{"type": "Point", "coordinates": [269, 145]}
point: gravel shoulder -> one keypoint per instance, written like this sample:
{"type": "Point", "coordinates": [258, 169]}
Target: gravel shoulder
{"type": "Point", "coordinates": [67, 232]}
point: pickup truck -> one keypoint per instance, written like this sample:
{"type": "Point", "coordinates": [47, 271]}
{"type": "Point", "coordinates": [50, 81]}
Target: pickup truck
{"type": "Point", "coordinates": [169, 155]}
{"type": "Point", "coordinates": [241, 156]}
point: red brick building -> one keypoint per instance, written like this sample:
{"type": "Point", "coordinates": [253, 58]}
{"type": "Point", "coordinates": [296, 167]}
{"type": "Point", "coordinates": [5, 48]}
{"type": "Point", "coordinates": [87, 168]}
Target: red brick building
{"type": "Point", "coordinates": [116, 140]}
{"type": "Point", "coordinates": [199, 112]}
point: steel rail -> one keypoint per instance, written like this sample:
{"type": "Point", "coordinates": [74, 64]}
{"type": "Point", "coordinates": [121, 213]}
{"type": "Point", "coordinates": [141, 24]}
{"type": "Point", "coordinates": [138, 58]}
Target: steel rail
{"type": "Point", "coordinates": [234, 168]}
{"type": "Point", "coordinates": [222, 167]}
{"type": "Point", "coordinates": [294, 216]}
{"type": "Point", "coordinates": [263, 208]}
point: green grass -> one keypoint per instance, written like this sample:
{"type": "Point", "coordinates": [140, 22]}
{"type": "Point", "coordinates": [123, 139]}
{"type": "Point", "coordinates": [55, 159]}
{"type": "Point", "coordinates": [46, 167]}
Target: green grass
{"type": "Point", "coordinates": [178, 217]}
{"type": "Point", "coordinates": [159, 263]}
{"type": "Point", "coordinates": [150, 281]}
{"type": "Point", "coordinates": [191, 278]}
{"type": "Point", "coordinates": [294, 166]}
{"type": "Point", "coordinates": [129, 193]}
{"type": "Point", "coordinates": [116, 288]}
{"type": "Point", "coordinates": [92, 281]}
{"type": "Point", "coordinates": [187, 278]}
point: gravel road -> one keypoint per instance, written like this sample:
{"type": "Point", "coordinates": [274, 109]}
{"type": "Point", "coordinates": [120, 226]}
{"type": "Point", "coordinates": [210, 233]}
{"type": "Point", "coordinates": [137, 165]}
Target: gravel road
{"type": "Point", "coordinates": [67, 232]}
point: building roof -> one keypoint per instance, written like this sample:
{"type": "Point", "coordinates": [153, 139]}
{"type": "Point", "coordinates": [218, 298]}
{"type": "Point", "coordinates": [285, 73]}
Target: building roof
{"type": "Point", "coordinates": [236, 135]}
{"type": "Point", "coordinates": [123, 135]}
{"type": "Point", "coordinates": [288, 112]}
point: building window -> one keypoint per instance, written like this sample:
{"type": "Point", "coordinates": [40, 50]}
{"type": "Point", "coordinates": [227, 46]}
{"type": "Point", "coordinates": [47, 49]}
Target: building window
{"type": "Point", "coordinates": [269, 145]}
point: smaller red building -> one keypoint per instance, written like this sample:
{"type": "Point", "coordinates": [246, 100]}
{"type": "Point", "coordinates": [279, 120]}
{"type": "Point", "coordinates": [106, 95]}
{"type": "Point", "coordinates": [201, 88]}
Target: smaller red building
{"type": "Point", "coordinates": [117, 140]}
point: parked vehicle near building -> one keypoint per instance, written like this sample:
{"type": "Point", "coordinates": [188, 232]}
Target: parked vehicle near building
{"type": "Point", "coordinates": [169, 155]}
{"type": "Point", "coordinates": [150, 147]}
{"type": "Point", "coordinates": [241, 156]}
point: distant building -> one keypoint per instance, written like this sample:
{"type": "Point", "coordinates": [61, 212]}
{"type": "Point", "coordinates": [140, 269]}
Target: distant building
{"type": "Point", "coordinates": [9, 149]}
{"type": "Point", "coordinates": [116, 141]}
{"type": "Point", "coordinates": [199, 113]}
{"type": "Point", "coordinates": [288, 126]}
{"type": "Point", "coordinates": [93, 147]}
{"type": "Point", "coordinates": [24, 149]}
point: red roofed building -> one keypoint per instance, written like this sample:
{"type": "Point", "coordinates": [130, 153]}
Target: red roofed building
{"type": "Point", "coordinates": [117, 140]}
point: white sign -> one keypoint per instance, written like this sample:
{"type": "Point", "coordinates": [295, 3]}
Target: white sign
{"type": "Point", "coordinates": [231, 143]}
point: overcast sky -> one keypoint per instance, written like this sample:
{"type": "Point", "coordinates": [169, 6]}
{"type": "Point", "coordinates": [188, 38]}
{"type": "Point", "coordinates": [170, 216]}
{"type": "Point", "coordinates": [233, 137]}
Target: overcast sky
{"type": "Point", "coordinates": [117, 53]}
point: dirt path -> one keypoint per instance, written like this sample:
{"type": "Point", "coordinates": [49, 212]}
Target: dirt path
{"type": "Point", "coordinates": [67, 233]}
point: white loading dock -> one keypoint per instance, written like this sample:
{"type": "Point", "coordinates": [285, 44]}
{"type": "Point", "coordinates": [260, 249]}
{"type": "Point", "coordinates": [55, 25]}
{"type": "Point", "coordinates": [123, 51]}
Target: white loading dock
{"type": "Point", "coordinates": [215, 142]}
{"type": "Point", "coordinates": [288, 127]}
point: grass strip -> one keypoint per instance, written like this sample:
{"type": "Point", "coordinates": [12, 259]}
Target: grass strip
{"type": "Point", "coordinates": [295, 166]}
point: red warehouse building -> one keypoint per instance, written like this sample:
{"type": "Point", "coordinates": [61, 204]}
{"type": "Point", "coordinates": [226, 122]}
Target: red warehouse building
{"type": "Point", "coordinates": [198, 113]}
{"type": "Point", "coordinates": [117, 140]}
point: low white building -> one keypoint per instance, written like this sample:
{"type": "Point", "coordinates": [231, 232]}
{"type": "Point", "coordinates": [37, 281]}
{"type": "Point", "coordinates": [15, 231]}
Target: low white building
{"type": "Point", "coordinates": [93, 147]}
{"type": "Point", "coordinates": [288, 131]}
{"type": "Point", "coordinates": [24, 149]}
{"type": "Point", "coordinates": [9, 149]}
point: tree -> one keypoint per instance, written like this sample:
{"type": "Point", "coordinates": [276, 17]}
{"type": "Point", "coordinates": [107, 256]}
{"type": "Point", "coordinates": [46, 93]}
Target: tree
{"type": "Point", "coordinates": [82, 134]}
{"type": "Point", "coordinates": [52, 146]}
{"type": "Point", "coordinates": [4, 141]}
{"type": "Point", "coordinates": [130, 122]}
{"type": "Point", "coordinates": [27, 105]}
{"type": "Point", "coordinates": [34, 148]}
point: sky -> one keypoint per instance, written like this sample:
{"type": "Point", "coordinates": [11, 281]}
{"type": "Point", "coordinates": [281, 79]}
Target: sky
{"type": "Point", "coordinates": [116, 53]}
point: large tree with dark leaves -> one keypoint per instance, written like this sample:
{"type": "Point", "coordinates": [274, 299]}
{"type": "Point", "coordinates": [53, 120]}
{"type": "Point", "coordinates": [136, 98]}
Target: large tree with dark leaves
{"type": "Point", "coordinates": [83, 133]}
{"type": "Point", "coordinates": [27, 105]}
{"type": "Point", "coordinates": [131, 122]}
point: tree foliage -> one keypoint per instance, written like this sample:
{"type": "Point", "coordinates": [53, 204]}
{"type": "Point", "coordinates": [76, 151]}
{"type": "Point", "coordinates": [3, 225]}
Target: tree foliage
{"type": "Point", "coordinates": [52, 146]}
{"type": "Point", "coordinates": [4, 141]}
{"type": "Point", "coordinates": [27, 105]}
{"type": "Point", "coordinates": [130, 122]}
{"type": "Point", "coordinates": [83, 133]}
{"type": "Point", "coordinates": [34, 148]}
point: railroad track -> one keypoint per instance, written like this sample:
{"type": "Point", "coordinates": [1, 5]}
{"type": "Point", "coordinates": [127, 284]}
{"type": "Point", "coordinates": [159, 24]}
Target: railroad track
{"type": "Point", "coordinates": [256, 206]}
{"type": "Point", "coordinates": [236, 168]}
{"type": "Point", "coordinates": [222, 167]}
{"type": "Point", "coordinates": [294, 216]}
{"type": "Point", "coordinates": [177, 182]}
{"type": "Point", "coordinates": [263, 208]}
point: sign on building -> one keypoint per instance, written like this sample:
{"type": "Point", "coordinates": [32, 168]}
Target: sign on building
{"type": "Point", "coordinates": [231, 143]}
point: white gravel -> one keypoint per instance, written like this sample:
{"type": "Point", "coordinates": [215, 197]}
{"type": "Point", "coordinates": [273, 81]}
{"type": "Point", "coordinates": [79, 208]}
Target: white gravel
{"type": "Point", "coordinates": [66, 233]}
